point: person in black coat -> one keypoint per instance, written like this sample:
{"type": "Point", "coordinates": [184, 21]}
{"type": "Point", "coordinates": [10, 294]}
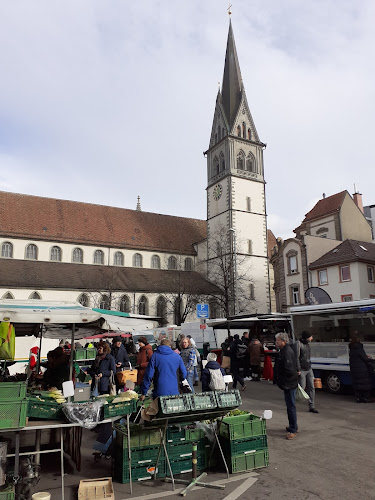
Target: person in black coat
{"type": "Point", "coordinates": [206, 375]}
{"type": "Point", "coordinates": [360, 368]}
{"type": "Point", "coordinates": [236, 361]}
{"type": "Point", "coordinates": [102, 367]}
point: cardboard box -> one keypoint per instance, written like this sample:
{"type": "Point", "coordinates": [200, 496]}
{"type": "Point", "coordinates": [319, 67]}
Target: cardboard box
{"type": "Point", "coordinates": [96, 489]}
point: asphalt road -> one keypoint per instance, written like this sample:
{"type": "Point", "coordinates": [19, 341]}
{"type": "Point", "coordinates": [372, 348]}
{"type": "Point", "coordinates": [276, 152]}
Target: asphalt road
{"type": "Point", "coordinates": [333, 456]}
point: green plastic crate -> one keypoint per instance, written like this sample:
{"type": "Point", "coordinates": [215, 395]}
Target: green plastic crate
{"type": "Point", "coordinates": [141, 473]}
{"type": "Point", "coordinates": [244, 462]}
{"type": "Point", "coordinates": [44, 410]}
{"type": "Point", "coordinates": [139, 437]}
{"type": "Point", "coordinates": [177, 435]}
{"type": "Point", "coordinates": [91, 353]}
{"type": "Point", "coordinates": [230, 399]}
{"type": "Point", "coordinates": [139, 456]}
{"type": "Point", "coordinates": [7, 493]}
{"type": "Point", "coordinates": [119, 409]}
{"type": "Point", "coordinates": [203, 401]}
{"type": "Point", "coordinates": [171, 405]}
{"type": "Point", "coordinates": [194, 434]}
{"type": "Point", "coordinates": [79, 354]}
{"type": "Point", "coordinates": [238, 447]}
{"type": "Point", "coordinates": [13, 413]}
{"type": "Point", "coordinates": [242, 426]}
{"type": "Point", "coordinates": [184, 450]}
{"type": "Point", "coordinates": [13, 390]}
{"type": "Point", "coordinates": [185, 466]}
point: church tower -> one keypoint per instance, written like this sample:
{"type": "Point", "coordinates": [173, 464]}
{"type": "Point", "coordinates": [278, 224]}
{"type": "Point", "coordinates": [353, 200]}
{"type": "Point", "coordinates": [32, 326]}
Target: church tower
{"type": "Point", "coordinates": [236, 204]}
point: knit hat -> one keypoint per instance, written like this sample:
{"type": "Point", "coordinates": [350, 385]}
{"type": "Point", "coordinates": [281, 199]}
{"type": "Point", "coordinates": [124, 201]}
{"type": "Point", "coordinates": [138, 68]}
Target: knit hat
{"type": "Point", "coordinates": [236, 336]}
{"type": "Point", "coordinates": [306, 335]}
{"type": "Point", "coordinates": [211, 356]}
{"type": "Point", "coordinates": [143, 340]}
{"type": "Point", "coordinates": [117, 339]}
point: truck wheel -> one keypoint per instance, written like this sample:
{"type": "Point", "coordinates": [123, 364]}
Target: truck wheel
{"type": "Point", "coordinates": [333, 383]}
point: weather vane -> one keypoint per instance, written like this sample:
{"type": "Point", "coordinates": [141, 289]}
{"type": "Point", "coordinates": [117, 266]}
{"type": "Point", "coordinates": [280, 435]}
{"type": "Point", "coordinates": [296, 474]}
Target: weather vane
{"type": "Point", "coordinates": [228, 9]}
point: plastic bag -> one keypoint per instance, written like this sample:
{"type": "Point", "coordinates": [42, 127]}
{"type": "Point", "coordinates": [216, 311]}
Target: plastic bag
{"type": "Point", "coordinates": [301, 395]}
{"type": "Point", "coordinates": [209, 430]}
{"type": "Point", "coordinates": [88, 415]}
{"type": "Point", "coordinates": [95, 391]}
{"type": "Point", "coordinates": [8, 341]}
{"type": "Point", "coordinates": [112, 385]}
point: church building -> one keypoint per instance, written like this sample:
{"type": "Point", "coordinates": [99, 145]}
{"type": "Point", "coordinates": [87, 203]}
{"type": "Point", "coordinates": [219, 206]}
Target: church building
{"type": "Point", "coordinates": [148, 263]}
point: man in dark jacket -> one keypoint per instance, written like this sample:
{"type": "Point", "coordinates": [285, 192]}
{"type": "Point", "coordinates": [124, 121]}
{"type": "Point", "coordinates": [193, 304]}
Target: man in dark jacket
{"type": "Point", "coordinates": [166, 369]}
{"type": "Point", "coordinates": [238, 351]}
{"type": "Point", "coordinates": [306, 374]}
{"type": "Point", "coordinates": [121, 357]}
{"type": "Point", "coordinates": [246, 363]}
{"type": "Point", "coordinates": [286, 376]}
{"type": "Point", "coordinates": [212, 364]}
{"type": "Point", "coordinates": [361, 369]}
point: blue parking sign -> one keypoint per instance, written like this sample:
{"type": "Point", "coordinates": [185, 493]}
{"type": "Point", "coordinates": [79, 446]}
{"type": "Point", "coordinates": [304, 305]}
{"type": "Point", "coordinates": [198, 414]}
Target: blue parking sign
{"type": "Point", "coordinates": [202, 310]}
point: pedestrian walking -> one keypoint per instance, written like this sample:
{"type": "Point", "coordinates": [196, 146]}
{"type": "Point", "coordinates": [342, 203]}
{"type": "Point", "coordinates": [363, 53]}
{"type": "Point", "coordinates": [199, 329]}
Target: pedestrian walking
{"type": "Point", "coordinates": [143, 358]}
{"type": "Point", "coordinates": [305, 372]}
{"type": "Point", "coordinates": [213, 375]}
{"type": "Point", "coordinates": [246, 364]}
{"type": "Point", "coordinates": [286, 377]}
{"type": "Point", "coordinates": [255, 358]}
{"type": "Point", "coordinates": [197, 359]}
{"type": "Point", "coordinates": [238, 351]}
{"type": "Point", "coordinates": [361, 368]}
{"type": "Point", "coordinates": [225, 353]}
{"type": "Point", "coordinates": [188, 357]}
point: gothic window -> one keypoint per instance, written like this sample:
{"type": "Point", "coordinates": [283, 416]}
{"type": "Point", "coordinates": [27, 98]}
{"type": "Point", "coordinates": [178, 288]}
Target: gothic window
{"type": "Point", "coordinates": [219, 133]}
{"type": "Point", "coordinates": [104, 302]}
{"type": "Point", "coordinates": [77, 255]}
{"type": "Point", "coordinates": [222, 133]}
{"type": "Point", "coordinates": [124, 305]}
{"type": "Point", "coordinates": [7, 249]}
{"type": "Point", "coordinates": [172, 263]}
{"type": "Point", "coordinates": [244, 130]}
{"type": "Point", "coordinates": [215, 169]}
{"type": "Point", "coordinates": [83, 299]}
{"type": "Point", "coordinates": [250, 163]}
{"type": "Point", "coordinates": [215, 138]}
{"type": "Point", "coordinates": [143, 306]}
{"type": "Point", "coordinates": [98, 257]}
{"type": "Point", "coordinates": [35, 296]}
{"type": "Point", "coordinates": [239, 131]}
{"type": "Point", "coordinates": [161, 307]}
{"type": "Point", "coordinates": [137, 260]}
{"type": "Point", "coordinates": [8, 295]}
{"type": "Point", "coordinates": [32, 252]}
{"type": "Point", "coordinates": [222, 162]}
{"type": "Point", "coordinates": [241, 160]}
{"type": "Point", "coordinates": [249, 134]}
{"type": "Point", "coordinates": [55, 254]}
{"type": "Point", "coordinates": [118, 259]}
{"type": "Point", "coordinates": [188, 264]}
{"type": "Point", "coordinates": [155, 262]}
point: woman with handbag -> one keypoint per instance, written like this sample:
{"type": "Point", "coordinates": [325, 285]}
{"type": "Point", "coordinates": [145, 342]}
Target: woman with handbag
{"type": "Point", "coordinates": [143, 358]}
{"type": "Point", "coordinates": [102, 369]}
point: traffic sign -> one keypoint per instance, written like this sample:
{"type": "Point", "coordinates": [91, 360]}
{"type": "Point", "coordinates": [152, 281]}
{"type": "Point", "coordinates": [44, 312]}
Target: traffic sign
{"type": "Point", "coordinates": [202, 327]}
{"type": "Point", "coordinates": [202, 310]}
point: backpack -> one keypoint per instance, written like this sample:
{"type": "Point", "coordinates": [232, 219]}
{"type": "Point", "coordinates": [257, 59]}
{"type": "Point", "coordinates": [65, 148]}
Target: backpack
{"type": "Point", "coordinates": [216, 380]}
{"type": "Point", "coordinates": [241, 351]}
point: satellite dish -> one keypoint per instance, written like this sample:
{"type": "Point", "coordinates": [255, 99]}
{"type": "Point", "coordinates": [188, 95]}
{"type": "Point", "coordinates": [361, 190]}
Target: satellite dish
{"type": "Point", "coordinates": [316, 296]}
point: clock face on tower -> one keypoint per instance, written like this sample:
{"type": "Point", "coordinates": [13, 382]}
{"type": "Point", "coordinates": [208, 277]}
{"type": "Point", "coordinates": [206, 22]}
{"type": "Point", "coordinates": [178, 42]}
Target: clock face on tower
{"type": "Point", "coordinates": [217, 191]}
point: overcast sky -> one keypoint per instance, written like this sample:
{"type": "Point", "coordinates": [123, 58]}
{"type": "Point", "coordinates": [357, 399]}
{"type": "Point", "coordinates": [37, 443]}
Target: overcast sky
{"type": "Point", "coordinates": [101, 101]}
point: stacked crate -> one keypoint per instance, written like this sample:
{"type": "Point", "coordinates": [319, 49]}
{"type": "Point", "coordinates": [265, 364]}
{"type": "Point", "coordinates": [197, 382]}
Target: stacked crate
{"type": "Point", "coordinates": [13, 405]}
{"type": "Point", "coordinates": [144, 444]}
{"type": "Point", "coordinates": [244, 442]}
{"type": "Point", "coordinates": [179, 443]}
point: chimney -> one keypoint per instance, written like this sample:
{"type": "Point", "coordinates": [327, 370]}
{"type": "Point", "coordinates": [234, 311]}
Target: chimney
{"type": "Point", "coordinates": [139, 209]}
{"type": "Point", "coordinates": [357, 198]}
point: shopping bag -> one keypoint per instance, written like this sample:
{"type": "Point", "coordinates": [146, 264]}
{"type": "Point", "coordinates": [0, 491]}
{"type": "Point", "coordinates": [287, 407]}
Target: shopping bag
{"type": "Point", "coordinates": [225, 363]}
{"type": "Point", "coordinates": [8, 339]}
{"type": "Point", "coordinates": [125, 375]}
{"type": "Point", "coordinates": [112, 385]}
{"type": "Point", "coordinates": [301, 395]}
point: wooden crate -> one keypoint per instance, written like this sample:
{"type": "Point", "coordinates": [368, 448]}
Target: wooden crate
{"type": "Point", "coordinates": [96, 489]}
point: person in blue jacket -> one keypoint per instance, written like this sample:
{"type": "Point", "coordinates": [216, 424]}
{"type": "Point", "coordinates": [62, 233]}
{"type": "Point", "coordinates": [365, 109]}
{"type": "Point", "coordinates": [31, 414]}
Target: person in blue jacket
{"type": "Point", "coordinates": [166, 369]}
{"type": "Point", "coordinates": [102, 367]}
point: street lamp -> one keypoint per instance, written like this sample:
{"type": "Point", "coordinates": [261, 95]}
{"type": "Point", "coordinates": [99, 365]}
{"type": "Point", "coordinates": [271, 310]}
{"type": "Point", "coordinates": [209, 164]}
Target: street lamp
{"type": "Point", "coordinates": [236, 308]}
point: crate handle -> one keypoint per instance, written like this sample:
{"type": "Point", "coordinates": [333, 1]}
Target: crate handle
{"type": "Point", "coordinates": [186, 455]}
{"type": "Point", "coordinates": [250, 451]}
{"type": "Point", "coordinates": [144, 461]}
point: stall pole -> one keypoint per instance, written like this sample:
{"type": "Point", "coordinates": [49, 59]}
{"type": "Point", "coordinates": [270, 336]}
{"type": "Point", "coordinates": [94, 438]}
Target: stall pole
{"type": "Point", "coordinates": [38, 434]}
{"type": "Point", "coordinates": [129, 453]}
{"type": "Point", "coordinates": [40, 349]}
{"type": "Point", "coordinates": [62, 461]}
{"type": "Point", "coordinates": [71, 353]}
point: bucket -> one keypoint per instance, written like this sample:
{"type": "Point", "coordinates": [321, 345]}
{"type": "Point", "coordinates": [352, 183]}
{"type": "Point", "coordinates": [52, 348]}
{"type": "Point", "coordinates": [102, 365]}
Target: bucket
{"type": "Point", "coordinates": [41, 495]}
{"type": "Point", "coordinates": [267, 414]}
{"type": "Point", "coordinates": [317, 383]}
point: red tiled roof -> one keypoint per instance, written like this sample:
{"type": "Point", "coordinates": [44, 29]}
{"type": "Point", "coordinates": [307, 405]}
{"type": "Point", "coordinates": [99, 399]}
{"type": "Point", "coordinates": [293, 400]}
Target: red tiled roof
{"type": "Point", "coordinates": [347, 251]}
{"type": "Point", "coordinates": [325, 206]}
{"type": "Point", "coordinates": [34, 217]}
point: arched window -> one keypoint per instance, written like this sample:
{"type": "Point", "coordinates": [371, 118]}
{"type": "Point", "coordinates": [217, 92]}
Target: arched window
{"type": "Point", "coordinates": [223, 132]}
{"type": "Point", "coordinates": [104, 302]}
{"type": "Point", "coordinates": [188, 264]}
{"type": "Point", "coordinates": [118, 259]}
{"type": "Point", "coordinates": [244, 130]}
{"type": "Point", "coordinates": [35, 296]}
{"type": "Point", "coordinates": [137, 260]}
{"type": "Point", "coordinates": [250, 163]}
{"type": "Point", "coordinates": [241, 160]}
{"type": "Point", "coordinates": [7, 250]}
{"type": "Point", "coordinates": [56, 254]}
{"type": "Point", "coordinates": [98, 257]}
{"type": "Point", "coordinates": [215, 167]}
{"type": "Point", "coordinates": [8, 295]}
{"type": "Point", "coordinates": [239, 131]}
{"type": "Point", "coordinates": [215, 138]}
{"type": "Point", "coordinates": [222, 162]}
{"type": "Point", "coordinates": [32, 252]}
{"type": "Point", "coordinates": [161, 307]}
{"type": "Point", "coordinates": [77, 255]}
{"type": "Point", "coordinates": [249, 134]}
{"type": "Point", "coordinates": [83, 299]}
{"type": "Point", "coordinates": [143, 306]}
{"type": "Point", "coordinates": [172, 263]}
{"type": "Point", "coordinates": [155, 262]}
{"type": "Point", "coordinates": [124, 304]}
{"type": "Point", "coordinates": [219, 133]}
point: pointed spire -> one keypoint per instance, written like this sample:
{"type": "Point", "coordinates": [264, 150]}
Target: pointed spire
{"type": "Point", "coordinates": [232, 80]}
{"type": "Point", "coordinates": [139, 209]}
